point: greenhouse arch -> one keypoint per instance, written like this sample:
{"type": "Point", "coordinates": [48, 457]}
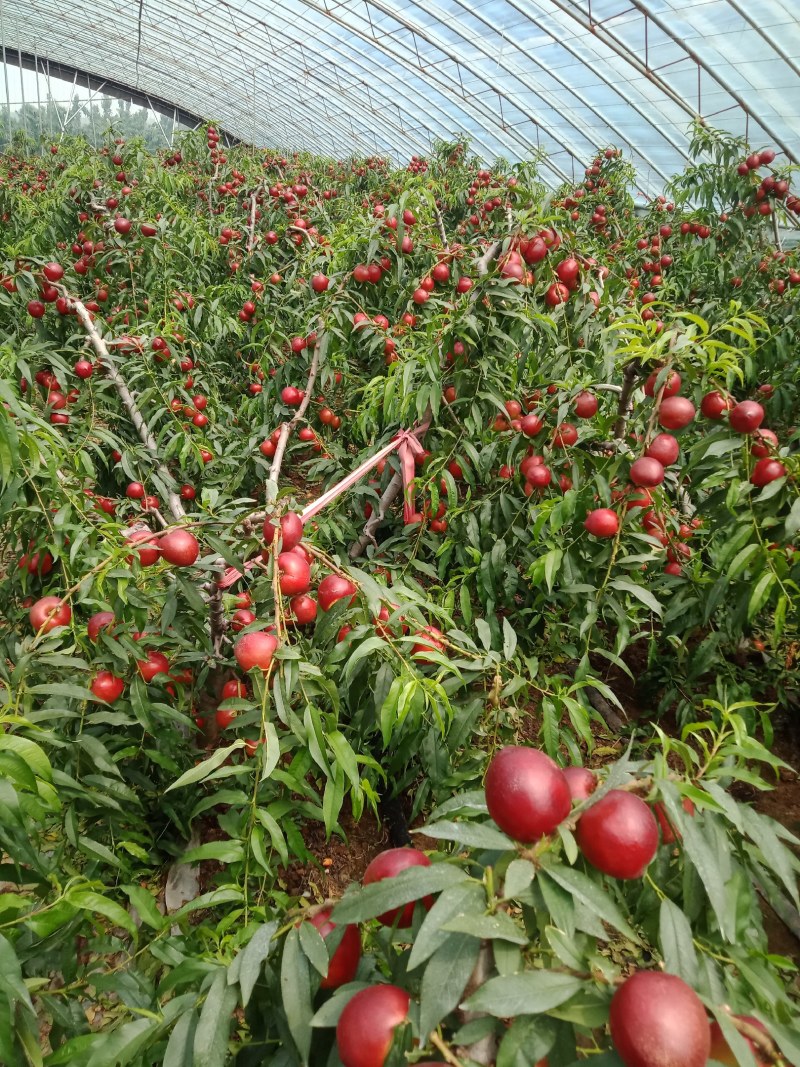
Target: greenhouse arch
{"type": "Point", "coordinates": [380, 77]}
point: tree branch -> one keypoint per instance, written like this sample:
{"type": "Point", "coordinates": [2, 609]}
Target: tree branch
{"type": "Point", "coordinates": [482, 264]}
{"type": "Point", "coordinates": [437, 1043]}
{"type": "Point", "coordinates": [604, 708]}
{"type": "Point", "coordinates": [128, 402]}
{"type": "Point", "coordinates": [485, 1050]}
{"type": "Point", "coordinates": [440, 226]}
{"type": "Point", "coordinates": [251, 229]}
{"type": "Point", "coordinates": [303, 230]}
{"type": "Point", "coordinates": [763, 1042]}
{"type": "Point", "coordinates": [629, 378]}
{"type": "Point", "coordinates": [286, 427]}
{"type": "Point", "coordinates": [390, 494]}
{"type": "Point", "coordinates": [217, 623]}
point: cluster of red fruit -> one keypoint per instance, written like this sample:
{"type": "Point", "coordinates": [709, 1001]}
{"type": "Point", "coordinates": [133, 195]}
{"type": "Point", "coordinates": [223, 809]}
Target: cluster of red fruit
{"type": "Point", "coordinates": [48, 294]}
{"type": "Point", "coordinates": [771, 187]}
{"type": "Point", "coordinates": [51, 612]}
{"type": "Point", "coordinates": [529, 796]}
{"type": "Point", "coordinates": [746, 418]}
{"type": "Point", "coordinates": [56, 397]}
{"type": "Point", "coordinates": [526, 252]}
{"type": "Point", "coordinates": [256, 648]}
{"type": "Point", "coordinates": [538, 476]}
{"type": "Point", "coordinates": [648, 471]}
{"type": "Point", "coordinates": [655, 1018]}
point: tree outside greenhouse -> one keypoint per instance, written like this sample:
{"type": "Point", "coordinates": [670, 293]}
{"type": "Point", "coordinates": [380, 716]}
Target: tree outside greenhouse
{"type": "Point", "coordinates": [399, 582]}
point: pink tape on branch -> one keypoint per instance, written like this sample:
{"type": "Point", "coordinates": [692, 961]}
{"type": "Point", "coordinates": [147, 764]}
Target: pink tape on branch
{"type": "Point", "coordinates": [405, 443]}
{"type": "Point", "coordinates": [348, 482]}
{"type": "Point", "coordinates": [231, 575]}
{"type": "Point", "coordinates": [409, 448]}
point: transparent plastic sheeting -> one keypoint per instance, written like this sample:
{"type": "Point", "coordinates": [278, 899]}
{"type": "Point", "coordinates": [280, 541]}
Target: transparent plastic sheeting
{"type": "Point", "coordinates": [387, 77]}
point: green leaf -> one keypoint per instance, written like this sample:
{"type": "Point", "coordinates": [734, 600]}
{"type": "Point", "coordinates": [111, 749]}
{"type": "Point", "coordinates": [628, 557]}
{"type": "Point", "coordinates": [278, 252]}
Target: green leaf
{"type": "Point", "coordinates": [519, 875]}
{"type": "Point", "coordinates": [509, 640]}
{"type": "Point", "coordinates": [412, 884]}
{"type": "Point", "coordinates": [445, 979]}
{"type": "Point", "coordinates": [360, 652]}
{"type": "Point", "coordinates": [565, 948]}
{"type": "Point", "coordinates": [675, 938]}
{"type": "Point", "coordinates": [793, 520]}
{"type": "Point", "coordinates": [252, 958]}
{"type": "Point", "coordinates": [276, 834]}
{"type": "Point", "coordinates": [272, 748]}
{"type": "Point", "coordinates": [464, 899]}
{"type": "Point", "coordinates": [30, 752]}
{"type": "Point", "coordinates": [345, 756]}
{"type": "Point", "coordinates": [62, 689]}
{"type": "Point", "coordinates": [552, 562]}
{"type": "Point", "coordinates": [328, 1014]}
{"type": "Point", "coordinates": [760, 594]}
{"type": "Point", "coordinates": [222, 851]}
{"type": "Point", "coordinates": [639, 592]}
{"type": "Point", "coordinates": [592, 896]}
{"type": "Point", "coordinates": [777, 856]}
{"type": "Point", "coordinates": [11, 982]}
{"type": "Point", "coordinates": [120, 1046]}
{"type": "Point", "coordinates": [473, 834]}
{"type": "Point", "coordinates": [741, 559]}
{"type": "Point", "coordinates": [180, 1047]}
{"type": "Point", "coordinates": [202, 770]}
{"type": "Point", "coordinates": [526, 1042]}
{"type": "Point", "coordinates": [739, 1045]}
{"type": "Point", "coordinates": [530, 993]}
{"type": "Point", "coordinates": [88, 900]}
{"type": "Point", "coordinates": [722, 446]}
{"type": "Point", "coordinates": [214, 1025]}
{"type": "Point", "coordinates": [475, 1030]}
{"type": "Point", "coordinates": [488, 927]}
{"type": "Point", "coordinates": [701, 850]}
{"type": "Point", "coordinates": [145, 905]}
{"type": "Point", "coordinates": [484, 633]}
{"type": "Point", "coordinates": [48, 921]}
{"type": "Point", "coordinates": [314, 947]}
{"type": "Point", "coordinates": [9, 447]}
{"type": "Point", "coordinates": [296, 993]}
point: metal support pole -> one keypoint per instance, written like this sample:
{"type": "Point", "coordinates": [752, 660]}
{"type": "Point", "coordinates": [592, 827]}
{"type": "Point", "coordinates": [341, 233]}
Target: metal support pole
{"type": "Point", "coordinates": [22, 87]}
{"type": "Point", "coordinates": [38, 95]}
{"type": "Point", "coordinates": [5, 69]}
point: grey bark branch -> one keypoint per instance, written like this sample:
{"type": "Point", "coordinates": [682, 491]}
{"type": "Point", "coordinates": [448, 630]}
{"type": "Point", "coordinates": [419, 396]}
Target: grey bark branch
{"type": "Point", "coordinates": [485, 1050]}
{"type": "Point", "coordinates": [217, 623]}
{"type": "Point", "coordinates": [603, 708]}
{"type": "Point", "coordinates": [440, 226]}
{"type": "Point", "coordinates": [482, 264]}
{"type": "Point", "coordinates": [286, 428]}
{"type": "Point", "coordinates": [390, 494]}
{"type": "Point", "coordinates": [629, 378]}
{"type": "Point", "coordinates": [128, 402]}
{"type": "Point", "coordinates": [251, 229]}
